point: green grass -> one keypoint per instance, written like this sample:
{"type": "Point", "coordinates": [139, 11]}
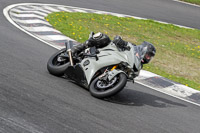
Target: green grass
{"type": "Point", "coordinates": [178, 49]}
{"type": "Point", "coordinates": [193, 1]}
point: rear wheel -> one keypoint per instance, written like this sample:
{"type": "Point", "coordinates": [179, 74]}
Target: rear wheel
{"type": "Point", "coordinates": [102, 89]}
{"type": "Point", "coordinates": [58, 64]}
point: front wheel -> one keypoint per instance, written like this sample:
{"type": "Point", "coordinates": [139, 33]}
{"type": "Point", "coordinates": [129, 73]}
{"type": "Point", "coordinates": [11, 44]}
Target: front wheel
{"type": "Point", "coordinates": [101, 89]}
{"type": "Point", "coordinates": [57, 64]}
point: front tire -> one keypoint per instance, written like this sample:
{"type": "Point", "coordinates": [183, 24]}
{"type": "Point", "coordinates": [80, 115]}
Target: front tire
{"type": "Point", "coordinates": [111, 90]}
{"type": "Point", "coordinates": [57, 68]}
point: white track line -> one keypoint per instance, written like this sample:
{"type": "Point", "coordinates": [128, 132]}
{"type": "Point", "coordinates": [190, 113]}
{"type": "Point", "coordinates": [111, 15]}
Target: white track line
{"type": "Point", "coordinates": [79, 10]}
{"type": "Point", "coordinates": [186, 3]}
{"type": "Point", "coordinates": [100, 12]}
{"type": "Point", "coordinates": [50, 8]}
{"type": "Point", "coordinates": [118, 15]}
{"type": "Point", "coordinates": [64, 9]}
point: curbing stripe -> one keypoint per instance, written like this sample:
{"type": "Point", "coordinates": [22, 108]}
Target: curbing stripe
{"type": "Point", "coordinates": [6, 14]}
{"type": "Point", "coordinates": [26, 15]}
{"type": "Point", "coordinates": [40, 10]}
{"type": "Point", "coordinates": [33, 25]}
{"type": "Point", "coordinates": [169, 94]}
{"type": "Point", "coordinates": [31, 21]}
{"type": "Point", "coordinates": [54, 37]}
{"type": "Point", "coordinates": [25, 8]}
{"type": "Point", "coordinates": [41, 29]}
{"type": "Point", "coordinates": [47, 33]}
{"type": "Point", "coordinates": [27, 18]}
{"type": "Point", "coordinates": [27, 12]}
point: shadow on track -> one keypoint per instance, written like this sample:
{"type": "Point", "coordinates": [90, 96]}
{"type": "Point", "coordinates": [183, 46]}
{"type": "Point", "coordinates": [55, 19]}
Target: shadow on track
{"type": "Point", "coordinates": [137, 98]}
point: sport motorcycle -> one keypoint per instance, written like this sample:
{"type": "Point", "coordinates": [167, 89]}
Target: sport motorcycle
{"type": "Point", "coordinates": [103, 71]}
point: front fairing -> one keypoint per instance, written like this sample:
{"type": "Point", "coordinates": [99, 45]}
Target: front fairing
{"type": "Point", "coordinates": [108, 56]}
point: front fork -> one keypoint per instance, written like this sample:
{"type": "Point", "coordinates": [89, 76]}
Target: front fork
{"type": "Point", "coordinates": [69, 51]}
{"type": "Point", "coordinates": [109, 75]}
{"type": "Point", "coordinates": [69, 45]}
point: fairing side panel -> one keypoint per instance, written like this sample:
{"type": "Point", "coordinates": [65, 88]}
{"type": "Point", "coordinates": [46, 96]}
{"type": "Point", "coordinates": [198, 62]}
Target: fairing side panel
{"type": "Point", "coordinates": [108, 55]}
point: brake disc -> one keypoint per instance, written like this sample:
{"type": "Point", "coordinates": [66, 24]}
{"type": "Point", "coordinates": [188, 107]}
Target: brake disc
{"type": "Point", "coordinates": [103, 84]}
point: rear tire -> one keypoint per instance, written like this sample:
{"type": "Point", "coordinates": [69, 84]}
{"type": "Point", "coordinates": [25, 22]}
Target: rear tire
{"type": "Point", "coordinates": [117, 87]}
{"type": "Point", "coordinates": [53, 65]}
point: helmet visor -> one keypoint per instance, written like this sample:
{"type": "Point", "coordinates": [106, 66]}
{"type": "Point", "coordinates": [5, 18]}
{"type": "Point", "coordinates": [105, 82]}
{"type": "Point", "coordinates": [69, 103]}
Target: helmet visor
{"type": "Point", "coordinates": [147, 58]}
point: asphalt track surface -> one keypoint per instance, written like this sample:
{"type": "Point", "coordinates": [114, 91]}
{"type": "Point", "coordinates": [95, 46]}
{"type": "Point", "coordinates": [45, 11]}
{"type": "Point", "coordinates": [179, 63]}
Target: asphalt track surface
{"type": "Point", "coordinates": [32, 100]}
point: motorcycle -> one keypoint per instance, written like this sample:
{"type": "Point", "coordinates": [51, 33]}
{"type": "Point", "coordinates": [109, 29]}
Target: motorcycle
{"type": "Point", "coordinates": [103, 71]}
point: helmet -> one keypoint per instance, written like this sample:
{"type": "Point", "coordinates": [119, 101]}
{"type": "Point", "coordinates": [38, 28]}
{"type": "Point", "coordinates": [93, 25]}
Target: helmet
{"type": "Point", "coordinates": [149, 51]}
{"type": "Point", "coordinates": [99, 40]}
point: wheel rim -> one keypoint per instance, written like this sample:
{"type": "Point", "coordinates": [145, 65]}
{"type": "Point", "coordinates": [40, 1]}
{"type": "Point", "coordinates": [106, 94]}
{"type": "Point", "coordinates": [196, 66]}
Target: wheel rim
{"type": "Point", "coordinates": [58, 61]}
{"type": "Point", "coordinates": [104, 85]}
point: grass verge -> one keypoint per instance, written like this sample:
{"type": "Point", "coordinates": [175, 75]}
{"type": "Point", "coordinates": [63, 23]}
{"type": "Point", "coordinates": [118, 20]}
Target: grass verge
{"type": "Point", "coordinates": [178, 49]}
{"type": "Point", "coordinates": [192, 1]}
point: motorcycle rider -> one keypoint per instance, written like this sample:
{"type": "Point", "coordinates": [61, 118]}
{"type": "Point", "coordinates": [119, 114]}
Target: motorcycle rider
{"type": "Point", "coordinates": [143, 52]}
